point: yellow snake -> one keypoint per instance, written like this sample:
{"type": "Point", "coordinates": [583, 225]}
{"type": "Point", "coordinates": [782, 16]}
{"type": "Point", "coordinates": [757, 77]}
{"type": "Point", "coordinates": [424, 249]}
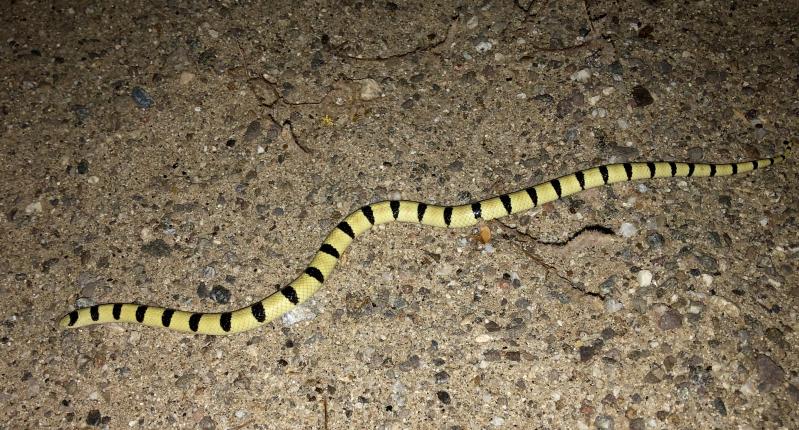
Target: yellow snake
{"type": "Point", "coordinates": [363, 219]}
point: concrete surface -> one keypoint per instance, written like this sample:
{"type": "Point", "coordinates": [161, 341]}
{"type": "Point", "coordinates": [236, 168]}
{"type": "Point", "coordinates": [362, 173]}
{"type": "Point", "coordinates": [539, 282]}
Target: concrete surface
{"type": "Point", "coordinates": [196, 155]}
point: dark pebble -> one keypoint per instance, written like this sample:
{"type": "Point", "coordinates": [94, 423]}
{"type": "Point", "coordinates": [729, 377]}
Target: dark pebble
{"type": "Point", "coordinates": [253, 131]}
{"type": "Point", "coordinates": [770, 373]}
{"type": "Point", "coordinates": [720, 407]}
{"type": "Point", "coordinates": [442, 377]}
{"type": "Point", "coordinates": [637, 424]}
{"type": "Point", "coordinates": [141, 98]}
{"type": "Point", "coordinates": [413, 362]}
{"type": "Point", "coordinates": [588, 352]}
{"type": "Point", "coordinates": [670, 320]}
{"type": "Point", "coordinates": [664, 67]}
{"type": "Point", "coordinates": [220, 295]}
{"type": "Point", "coordinates": [202, 290]}
{"type": "Point", "coordinates": [545, 99]}
{"type": "Point", "coordinates": [157, 248]}
{"type": "Point", "coordinates": [655, 240]}
{"type": "Point", "coordinates": [407, 104]}
{"type": "Point", "coordinates": [83, 167]}
{"type": "Point", "coordinates": [443, 396]}
{"type": "Point", "coordinates": [641, 96]}
{"type": "Point", "coordinates": [94, 417]}
{"type": "Point", "coordinates": [616, 68]}
{"type": "Point", "coordinates": [81, 112]}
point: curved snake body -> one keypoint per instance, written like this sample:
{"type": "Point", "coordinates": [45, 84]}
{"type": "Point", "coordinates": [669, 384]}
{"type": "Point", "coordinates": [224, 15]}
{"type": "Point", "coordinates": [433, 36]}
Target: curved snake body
{"type": "Point", "coordinates": [363, 219]}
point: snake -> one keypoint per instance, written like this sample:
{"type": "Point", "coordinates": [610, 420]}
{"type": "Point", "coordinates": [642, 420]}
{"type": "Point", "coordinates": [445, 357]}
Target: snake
{"type": "Point", "coordinates": [363, 219]}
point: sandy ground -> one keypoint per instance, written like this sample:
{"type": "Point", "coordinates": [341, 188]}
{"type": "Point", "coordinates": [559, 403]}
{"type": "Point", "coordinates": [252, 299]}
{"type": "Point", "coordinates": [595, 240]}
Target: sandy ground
{"type": "Point", "coordinates": [195, 157]}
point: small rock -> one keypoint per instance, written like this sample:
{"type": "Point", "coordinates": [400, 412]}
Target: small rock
{"type": "Point", "coordinates": [497, 421]}
{"type": "Point", "coordinates": [253, 131]}
{"type": "Point", "coordinates": [581, 76]}
{"type": "Point", "coordinates": [185, 78]}
{"type": "Point", "coordinates": [770, 374]}
{"type": "Point", "coordinates": [94, 417]}
{"type": "Point", "coordinates": [220, 294]}
{"type": "Point", "coordinates": [627, 230]}
{"type": "Point", "coordinates": [483, 47]}
{"type": "Point", "coordinates": [157, 248]}
{"type": "Point", "coordinates": [641, 96]}
{"type": "Point", "coordinates": [655, 240]}
{"type": "Point", "coordinates": [443, 397]}
{"type": "Point", "coordinates": [207, 423]}
{"type": "Point", "coordinates": [370, 89]}
{"type": "Point", "coordinates": [35, 207]}
{"type": "Point", "coordinates": [644, 278]}
{"type": "Point", "coordinates": [604, 422]}
{"type": "Point", "coordinates": [83, 166]}
{"type": "Point", "coordinates": [670, 320]}
{"type": "Point", "coordinates": [141, 98]}
{"type": "Point", "coordinates": [612, 305]}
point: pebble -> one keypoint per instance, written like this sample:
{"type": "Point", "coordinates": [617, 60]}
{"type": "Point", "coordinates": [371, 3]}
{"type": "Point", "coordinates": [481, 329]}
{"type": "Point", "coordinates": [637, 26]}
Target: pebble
{"type": "Point", "coordinates": [83, 166]}
{"type": "Point", "coordinates": [770, 374]}
{"type": "Point", "coordinates": [253, 131]}
{"type": "Point", "coordinates": [157, 248]}
{"type": "Point", "coordinates": [483, 47]}
{"type": "Point", "coordinates": [604, 422]}
{"type": "Point", "coordinates": [35, 207]}
{"type": "Point", "coordinates": [655, 240]}
{"type": "Point", "coordinates": [93, 180]}
{"type": "Point", "coordinates": [370, 89]}
{"type": "Point", "coordinates": [613, 305]}
{"type": "Point", "coordinates": [627, 230]}
{"type": "Point", "coordinates": [497, 421]}
{"type": "Point", "coordinates": [298, 314]}
{"type": "Point", "coordinates": [444, 397]}
{"type": "Point", "coordinates": [644, 278]}
{"type": "Point", "coordinates": [670, 320]}
{"type": "Point", "coordinates": [641, 96]}
{"type": "Point", "coordinates": [220, 294]}
{"type": "Point", "coordinates": [207, 423]}
{"type": "Point", "coordinates": [141, 98]}
{"type": "Point", "coordinates": [94, 417]}
{"type": "Point", "coordinates": [185, 78]}
{"type": "Point", "coordinates": [483, 338]}
{"type": "Point", "coordinates": [471, 24]}
{"type": "Point", "coordinates": [581, 76]}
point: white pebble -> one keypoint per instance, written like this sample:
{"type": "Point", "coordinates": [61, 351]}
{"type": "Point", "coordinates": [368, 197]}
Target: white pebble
{"type": "Point", "coordinates": [581, 75]}
{"type": "Point", "coordinates": [707, 279]}
{"type": "Point", "coordinates": [259, 149]}
{"type": "Point", "coordinates": [370, 89]}
{"type": "Point", "coordinates": [521, 96]}
{"type": "Point", "coordinates": [394, 195]}
{"type": "Point", "coordinates": [241, 414]}
{"type": "Point", "coordinates": [644, 278]}
{"type": "Point", "coordinates": [483, 338]}
{"type": "Point", "coordinates": [483, 47]}
{"type": "Point", "coordinates": [497, 421]}
{"type": "Point", "coordinates": [488, 249]}
{"type": "Point", "coordinates": [764, 221]}
{"type": "Point", "coordinates": [33, 207]}
{"type": "Point", "coordinates": [93, 179]}
{"type": "Point", "coordinates": [613, 305]}
{"type": "Point", "coordinates": [298, 314]}
{"type": "Point", "coordinates": [471, 24]}
{"type": "Point", "coordinates": [627, 230]}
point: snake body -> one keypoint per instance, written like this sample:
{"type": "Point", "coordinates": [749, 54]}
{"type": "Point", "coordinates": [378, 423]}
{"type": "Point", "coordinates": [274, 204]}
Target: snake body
{"type": "Point", "coordinates": [363, 219]}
